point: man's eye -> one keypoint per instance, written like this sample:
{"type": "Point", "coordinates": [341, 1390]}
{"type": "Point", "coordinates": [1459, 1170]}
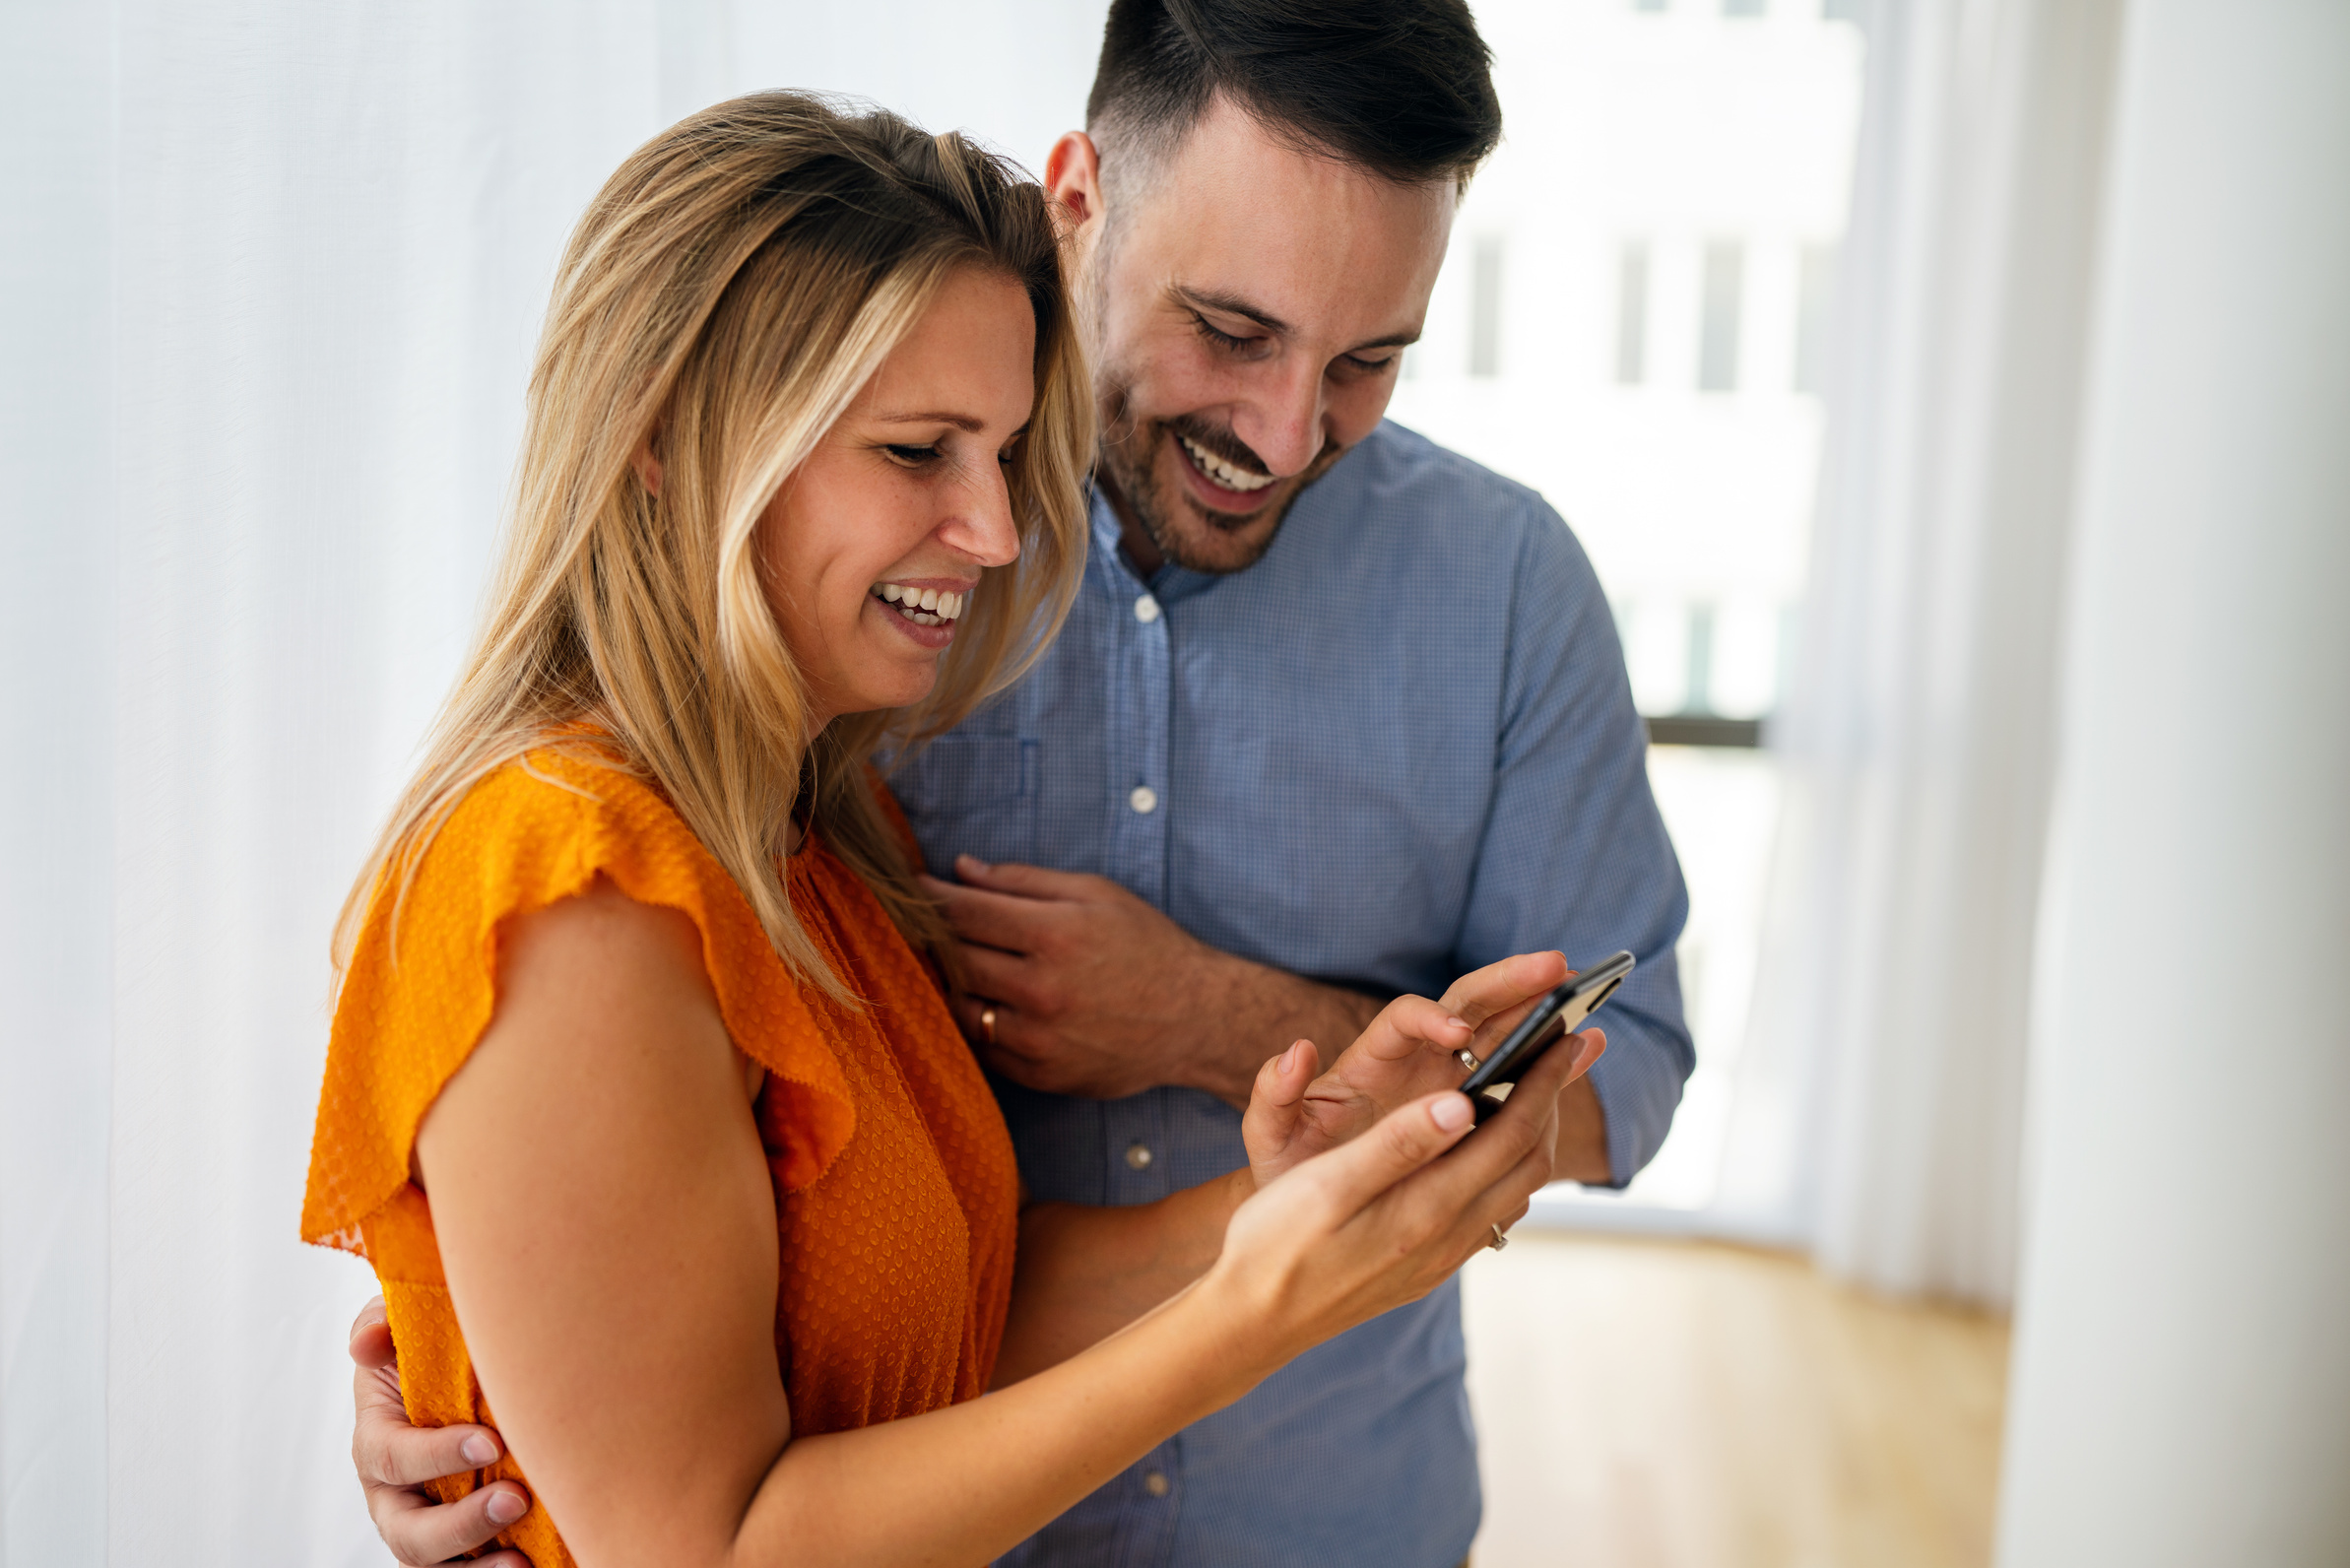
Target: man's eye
{"type": "Point", "coordinates": [1222, 340]}
{"type": "Point", "coordinates": [1368, 367]}
{"type": "Point", "coordinates": [912, 456]}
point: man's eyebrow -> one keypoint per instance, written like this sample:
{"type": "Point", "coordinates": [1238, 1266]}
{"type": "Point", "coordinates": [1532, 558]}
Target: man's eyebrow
{"type": "Point", "coordinates": [1225, 304]}
{"type": "Point", "coordinates": [962, 421]}
{"type": "Point", "coordinates": [1234, 305]}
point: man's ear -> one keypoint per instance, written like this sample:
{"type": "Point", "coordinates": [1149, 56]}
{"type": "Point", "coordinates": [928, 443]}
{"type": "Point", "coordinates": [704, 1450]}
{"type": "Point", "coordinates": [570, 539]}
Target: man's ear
{"type": "Point", "coordinates": [1073, 180]}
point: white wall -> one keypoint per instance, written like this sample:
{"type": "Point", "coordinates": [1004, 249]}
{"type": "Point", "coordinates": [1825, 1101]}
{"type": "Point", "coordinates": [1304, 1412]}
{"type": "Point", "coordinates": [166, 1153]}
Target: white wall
{"type": "Point", "coordinates": [2181, 1375]}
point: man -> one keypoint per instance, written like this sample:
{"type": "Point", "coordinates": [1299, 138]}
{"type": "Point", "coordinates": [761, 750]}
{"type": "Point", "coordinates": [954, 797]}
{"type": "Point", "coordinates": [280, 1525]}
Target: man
{"type": "Point", "coordinates": [1337, 714]}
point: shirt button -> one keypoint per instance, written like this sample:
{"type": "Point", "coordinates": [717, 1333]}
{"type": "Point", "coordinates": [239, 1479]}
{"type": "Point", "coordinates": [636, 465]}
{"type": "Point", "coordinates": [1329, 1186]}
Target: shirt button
{"type": "Point", "coordinates": [1143, 800]}
{"type": "Point", "coordinates": [1146, 610]}
{"type": "Point", "coordinates": [1156, 1483]}
{"type": "Point", "coordinates": [1137, 1155]}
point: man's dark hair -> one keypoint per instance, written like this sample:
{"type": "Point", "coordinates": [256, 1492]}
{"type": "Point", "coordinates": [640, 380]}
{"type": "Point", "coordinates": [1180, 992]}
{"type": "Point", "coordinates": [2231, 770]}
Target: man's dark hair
{"type": "Point", "coordinates": [1402, 88]}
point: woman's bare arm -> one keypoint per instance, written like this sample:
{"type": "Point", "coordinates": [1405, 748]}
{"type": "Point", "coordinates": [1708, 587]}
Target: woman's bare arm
{"type": "Point", "coordinates": [608, 1228]}
{"type": "Point", "coordinates": [607, 1222]}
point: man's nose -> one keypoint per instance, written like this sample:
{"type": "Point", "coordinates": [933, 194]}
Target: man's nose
{"type": "Point", "coordinates": [981, 524]}
{"type": "Point", "coordinates": [1283, 423]}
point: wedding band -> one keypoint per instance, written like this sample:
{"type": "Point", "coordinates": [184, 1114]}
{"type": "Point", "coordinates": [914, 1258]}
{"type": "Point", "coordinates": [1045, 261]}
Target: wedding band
{"type": "Point", "coordinates": [1465, 1059]}
{"type": "Point", "coordinates": [1499, 1240]}
{"type": "Point", "coordinates": [986, 1024]}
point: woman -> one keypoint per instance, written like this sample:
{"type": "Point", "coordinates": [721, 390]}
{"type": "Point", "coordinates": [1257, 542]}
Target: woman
{"type": "Point", "coordinates": [641, 1098]}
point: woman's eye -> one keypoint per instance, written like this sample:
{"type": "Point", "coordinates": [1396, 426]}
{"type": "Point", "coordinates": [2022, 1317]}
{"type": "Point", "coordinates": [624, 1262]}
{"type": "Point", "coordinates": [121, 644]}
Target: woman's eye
{"type": "Point", "coordinates": [912, 456]}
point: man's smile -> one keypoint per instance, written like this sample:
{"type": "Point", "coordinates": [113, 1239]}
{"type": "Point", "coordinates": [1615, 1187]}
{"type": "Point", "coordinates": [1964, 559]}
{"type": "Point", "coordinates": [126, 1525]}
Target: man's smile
{"type": "Point", "coordinates": [1228, 475]}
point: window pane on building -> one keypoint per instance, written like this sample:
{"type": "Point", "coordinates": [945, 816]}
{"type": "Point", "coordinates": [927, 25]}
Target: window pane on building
{"type": "Point", "coordinates": [1632, 315]}
{"type": "Point", "coordinates": [1718, 332]}
{"type": "Point", "coordinates": [1814, 314]}
{"type": "Point", "coordinates": [1484, 327]}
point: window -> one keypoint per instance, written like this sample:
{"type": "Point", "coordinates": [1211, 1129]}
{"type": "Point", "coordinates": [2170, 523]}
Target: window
{"type": "Point", "coordinates": [1669, 202]}
{"type": "Point", "coordinates": [1632, 315]}
{"type": "Point", "coordinates": [1484, 325]}
{"type": "Point", "coordinates": [1718, 334]}
{"type": "Point", "coordinates": [1745, 8]}
{"type": "Point", "coordinates": [1813, 313]}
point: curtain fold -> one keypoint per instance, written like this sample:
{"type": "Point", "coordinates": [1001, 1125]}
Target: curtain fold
{"type": "Point", "coordinates": [56, 668]}
{"type": "Point", "coordinates": [1878, 1113]}
{"type": "Point", "coordinates": [2181, 1384]}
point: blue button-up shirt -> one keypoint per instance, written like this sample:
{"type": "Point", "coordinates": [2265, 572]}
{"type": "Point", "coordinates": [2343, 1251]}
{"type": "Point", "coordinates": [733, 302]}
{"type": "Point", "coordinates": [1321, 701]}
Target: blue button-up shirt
{"type": "Point", "coordinates": [1398, 746]}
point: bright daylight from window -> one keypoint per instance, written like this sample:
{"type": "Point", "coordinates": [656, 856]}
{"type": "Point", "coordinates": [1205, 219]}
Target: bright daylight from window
{"type": "Point", "coordinates": [1633, 320]}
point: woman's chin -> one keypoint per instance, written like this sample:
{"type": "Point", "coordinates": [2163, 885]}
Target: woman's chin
{"type": "Point", "coordinates": [898, 683]}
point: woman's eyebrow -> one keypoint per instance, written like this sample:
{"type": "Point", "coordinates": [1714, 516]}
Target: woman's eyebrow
{"type": "Point", "coordinates": [962, 421]}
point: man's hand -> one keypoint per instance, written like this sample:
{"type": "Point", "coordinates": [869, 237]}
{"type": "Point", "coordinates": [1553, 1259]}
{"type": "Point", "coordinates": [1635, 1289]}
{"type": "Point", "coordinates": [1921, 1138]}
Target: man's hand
{"type": "Point", "coordinates": [1097, 994]}
{"type": "Point", "coordinates": [1409, 1050]}
{"type": "Point", "coordinates": [395, 1459]}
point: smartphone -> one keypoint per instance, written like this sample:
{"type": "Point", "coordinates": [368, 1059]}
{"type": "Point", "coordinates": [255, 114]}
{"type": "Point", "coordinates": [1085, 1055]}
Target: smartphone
{"type": "Point", "coordinates": [1554, 1018]}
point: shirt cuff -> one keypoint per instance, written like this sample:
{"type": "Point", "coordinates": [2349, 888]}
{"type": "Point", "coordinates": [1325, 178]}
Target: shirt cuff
{"type": "Point", "coordinates": [1639, 1086]}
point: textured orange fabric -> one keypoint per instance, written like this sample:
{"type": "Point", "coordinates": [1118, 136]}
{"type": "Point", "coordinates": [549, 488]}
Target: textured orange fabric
{"type": "Point", "coordinates": [897, 1194]}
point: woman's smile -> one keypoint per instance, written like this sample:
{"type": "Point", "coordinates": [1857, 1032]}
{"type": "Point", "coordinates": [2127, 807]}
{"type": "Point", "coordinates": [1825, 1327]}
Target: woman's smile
{"type": "Point", "coordinates": [923, 609]}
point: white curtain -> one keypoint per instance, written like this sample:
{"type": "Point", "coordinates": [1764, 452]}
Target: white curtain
{"type": "Point", "coordinates": [2181, 1392]}
{"type": "Point", "coordinates": [269, 279]}
{"type": "Point", "coordinates": [1881, 1099]}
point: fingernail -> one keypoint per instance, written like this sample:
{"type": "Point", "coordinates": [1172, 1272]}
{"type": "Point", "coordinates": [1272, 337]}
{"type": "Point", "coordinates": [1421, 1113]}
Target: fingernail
{"type": "Point", "coordinates": [478, 1449]}
{"type": "Point", "coordinates": [972, 861]}
{"type": "Point", "coordinates": [1457, 1023]}
{"type": "Point", "coordinates": [506, 1508]}
{"type": "Point", "coordinates": [1452, 1112]}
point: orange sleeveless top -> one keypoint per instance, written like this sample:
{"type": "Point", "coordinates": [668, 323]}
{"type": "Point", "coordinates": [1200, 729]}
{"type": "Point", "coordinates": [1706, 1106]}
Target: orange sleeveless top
{"type": "Point", "coordinates": [896, 1192]}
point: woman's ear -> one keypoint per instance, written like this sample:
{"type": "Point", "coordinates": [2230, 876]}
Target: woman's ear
{"type": "Point", "coordinates": [649, 468]}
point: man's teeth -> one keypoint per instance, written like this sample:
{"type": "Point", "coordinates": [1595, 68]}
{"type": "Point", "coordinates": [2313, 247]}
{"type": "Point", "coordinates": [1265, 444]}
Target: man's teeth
{"type": "Point", "coordinates": [925, 606]}
{"type": "Point", "coordinates": [1223, 473]}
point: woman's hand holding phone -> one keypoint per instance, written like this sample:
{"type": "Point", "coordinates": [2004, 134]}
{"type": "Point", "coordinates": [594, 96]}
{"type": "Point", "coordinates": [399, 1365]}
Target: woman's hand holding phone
{"type": "Point", "coordinates": [1339, 1238]}
{"type": "Point", "coordinates": [1412, 1049]}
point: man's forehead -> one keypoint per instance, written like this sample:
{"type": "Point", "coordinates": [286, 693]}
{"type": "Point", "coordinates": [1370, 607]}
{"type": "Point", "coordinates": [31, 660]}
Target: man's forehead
{"type": "Point", "coordinates": [1240, 215]}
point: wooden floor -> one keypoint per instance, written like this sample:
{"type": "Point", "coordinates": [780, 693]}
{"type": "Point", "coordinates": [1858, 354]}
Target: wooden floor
{"type": "Point", "coordinates": [1668, 1405]}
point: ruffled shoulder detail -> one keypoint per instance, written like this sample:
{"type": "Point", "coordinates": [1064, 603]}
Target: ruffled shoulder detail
{"type": "Point", "coordinates": [422, 982]}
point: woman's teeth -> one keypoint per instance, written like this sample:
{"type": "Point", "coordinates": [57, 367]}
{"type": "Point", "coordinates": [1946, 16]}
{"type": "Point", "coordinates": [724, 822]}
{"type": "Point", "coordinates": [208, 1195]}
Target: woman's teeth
{"type": "Point", "coordinates": [925, 606]}
{"type": "Point", "coordinates": [1223, 473]}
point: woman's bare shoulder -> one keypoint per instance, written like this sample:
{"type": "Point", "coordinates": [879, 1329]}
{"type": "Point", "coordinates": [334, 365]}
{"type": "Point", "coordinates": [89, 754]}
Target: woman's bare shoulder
{"type": "Point", "coordinates": [587, 950]}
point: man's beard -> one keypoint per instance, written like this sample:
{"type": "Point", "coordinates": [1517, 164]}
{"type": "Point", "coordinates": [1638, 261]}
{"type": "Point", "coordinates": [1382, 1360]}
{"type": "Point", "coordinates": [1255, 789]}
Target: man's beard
{"type": "Point", "coordinates": [1129, 460]}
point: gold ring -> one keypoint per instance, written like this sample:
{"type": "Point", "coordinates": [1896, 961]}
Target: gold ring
{"type": "Point", "coordinates": [986, 1024]}
{"type": "Point", "coordinates": [1499, 1240]}
{"type": "Point", "coordinates": [1463, 1057]}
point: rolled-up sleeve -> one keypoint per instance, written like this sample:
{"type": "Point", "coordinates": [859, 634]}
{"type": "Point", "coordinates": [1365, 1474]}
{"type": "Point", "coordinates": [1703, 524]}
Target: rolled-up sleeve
{"type": "Point", "coordinates": [1575, 854]}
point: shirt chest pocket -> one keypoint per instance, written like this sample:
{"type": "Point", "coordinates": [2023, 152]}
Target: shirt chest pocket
{"type": "Point", "coordinates": [972, 795]}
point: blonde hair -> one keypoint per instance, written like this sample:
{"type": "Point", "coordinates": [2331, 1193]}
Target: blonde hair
{"type": "Point", "coordinates": [727, 294]}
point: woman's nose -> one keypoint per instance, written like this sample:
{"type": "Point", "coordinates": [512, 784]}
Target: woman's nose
{"type": "Point", "coordinates": [981, 526]}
